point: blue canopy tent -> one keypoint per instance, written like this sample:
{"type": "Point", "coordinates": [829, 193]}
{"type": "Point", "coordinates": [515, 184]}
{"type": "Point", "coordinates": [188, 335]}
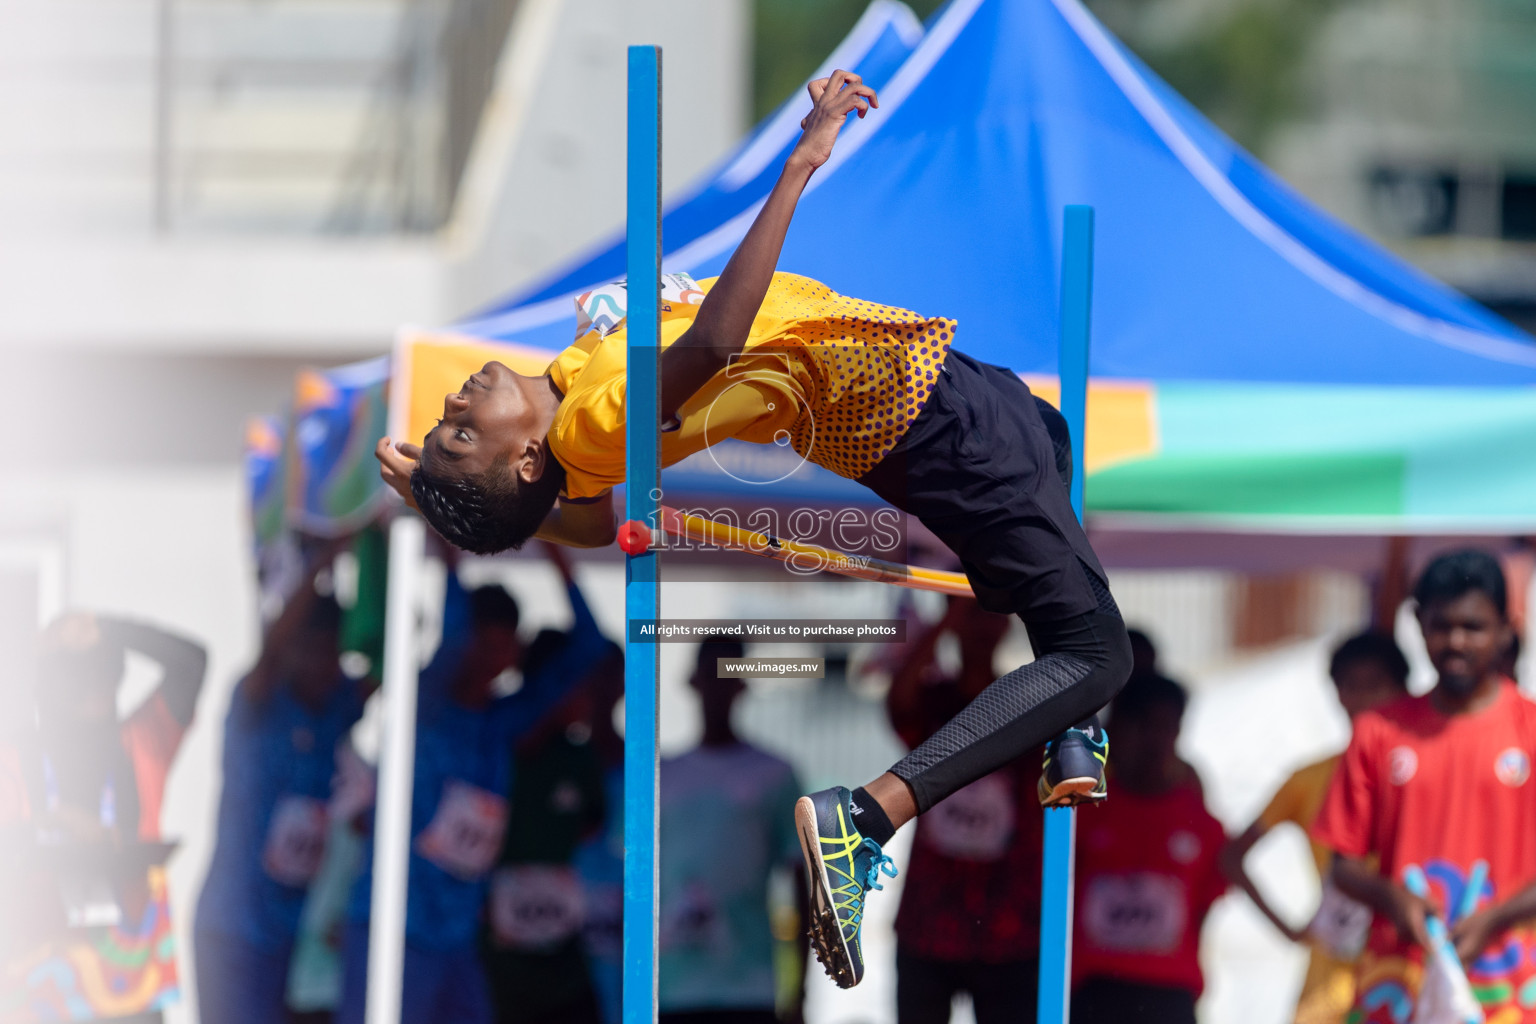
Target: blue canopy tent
{"type": "Point", "coordinates": [1258, 366]}
{"type": "Point", "coordinates": [1208, 268]}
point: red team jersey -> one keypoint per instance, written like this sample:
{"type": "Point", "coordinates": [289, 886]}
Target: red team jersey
{"type": "Point", "coordinates": [1147, 875]}
{"type": "Point", "coordinates": [1442, 791]}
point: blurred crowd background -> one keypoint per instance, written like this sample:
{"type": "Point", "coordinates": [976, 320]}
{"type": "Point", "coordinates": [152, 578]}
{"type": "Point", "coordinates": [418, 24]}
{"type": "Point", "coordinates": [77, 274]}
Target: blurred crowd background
{"type": "Point", "coordinates": [199, 199]}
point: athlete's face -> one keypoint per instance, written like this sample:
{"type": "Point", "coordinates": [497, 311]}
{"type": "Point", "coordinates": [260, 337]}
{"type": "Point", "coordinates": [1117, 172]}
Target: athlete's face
{"type": "Point", "coordinates": [1465, 638]}
{"type": "Point", "coordinates": [1145, 747]}
{"type": "Point", "coordinates": [493, 417]}
{"type": "Point", "coordinates": [717, 694]}
{"type": "Point", "coordinates": [312, 663]}
{"type": "Point", "coordinates": [1363, 685]}
{"type": "Point", "coordinates": [496, 648]}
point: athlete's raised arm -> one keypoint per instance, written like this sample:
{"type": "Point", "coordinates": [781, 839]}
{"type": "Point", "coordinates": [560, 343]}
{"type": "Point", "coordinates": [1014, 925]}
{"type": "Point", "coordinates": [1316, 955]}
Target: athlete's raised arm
{"type": "Point", "coordinates": [724, 320]}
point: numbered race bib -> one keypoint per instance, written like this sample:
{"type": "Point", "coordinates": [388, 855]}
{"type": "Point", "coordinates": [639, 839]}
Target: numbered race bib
{"type": "Point", "coordinates": [295, 840]}
{"type": "Point", "coordinates": [603, 930]}
{"type": "Point", "coordinates": [1140, 913]}
{"type": "Point", "coordinates": [465, 833]}
{"type": "Point", "coordinates": [536, 906]}
{"type": "Point", "coordinates": [975, 823]}
{"type": "Point", "coordinates": [1341, 924]}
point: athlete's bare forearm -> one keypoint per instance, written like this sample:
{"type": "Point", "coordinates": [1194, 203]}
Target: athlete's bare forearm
{"type": "Point", "coordinates": [724, 321]}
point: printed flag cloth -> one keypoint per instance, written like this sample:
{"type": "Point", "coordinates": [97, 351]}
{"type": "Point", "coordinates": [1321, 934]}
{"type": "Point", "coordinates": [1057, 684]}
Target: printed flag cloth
{"type": "Point", "coordinates": [603, 309]}
{"type": "Point", "coordinates": [339, 414]}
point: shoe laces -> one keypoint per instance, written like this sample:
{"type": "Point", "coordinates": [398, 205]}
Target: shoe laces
{"type": "Point", "coordinates": [878, 863]}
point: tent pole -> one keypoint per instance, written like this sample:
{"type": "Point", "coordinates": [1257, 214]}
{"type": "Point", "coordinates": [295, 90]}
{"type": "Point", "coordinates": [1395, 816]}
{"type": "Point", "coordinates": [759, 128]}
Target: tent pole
{"type": "Point", "coordinates": [1059, 876]}
{"type": "Point", "coordinates": [397, 764]}
{"type": "Point", "coordinates": [642, 585]}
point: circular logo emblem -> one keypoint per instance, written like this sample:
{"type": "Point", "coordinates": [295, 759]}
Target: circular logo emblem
{"type": "Point", "coordinates": [1184, 847]}
{"type": "Point", "coordinates": [1513, 767]}
{"type": "Point", "coordinates": [1402, 763]}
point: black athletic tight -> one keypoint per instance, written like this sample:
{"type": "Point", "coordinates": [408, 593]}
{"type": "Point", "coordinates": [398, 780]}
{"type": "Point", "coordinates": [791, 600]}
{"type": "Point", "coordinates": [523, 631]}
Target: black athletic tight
{"type": "Point", "coordinates": [1080, 664]}
{"type": "Point", "coordinates": [976, 468]}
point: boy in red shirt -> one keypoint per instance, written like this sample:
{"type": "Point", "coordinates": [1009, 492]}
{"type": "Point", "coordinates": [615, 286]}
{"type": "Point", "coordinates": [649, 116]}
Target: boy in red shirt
{"type": "Point", "coordinates": [969, 919]}
{"type": "Point", "coordinates": [1147, 872]}
{"type": "Point", "coordinates": [1443, 781]}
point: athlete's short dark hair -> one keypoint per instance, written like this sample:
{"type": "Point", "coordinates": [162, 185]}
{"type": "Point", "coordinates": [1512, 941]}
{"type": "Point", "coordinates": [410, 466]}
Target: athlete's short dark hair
{"type": "Point", "coordinates": [719, 645]}
{"type": "Point", "coordinates": [1461, 572]}
{"type": "Point", "coordinates": [1372, 645]}
{"type": "Point", "coordinates": [325, 615]}
{"type": "Point", "coordinates": [491, 605]}
{"type": "Point", "coordinates": [487, 512]}
{"type": "Point", "coordinates": [542, 650]}
{"type": "Point", "coordinates": [1145, 692]}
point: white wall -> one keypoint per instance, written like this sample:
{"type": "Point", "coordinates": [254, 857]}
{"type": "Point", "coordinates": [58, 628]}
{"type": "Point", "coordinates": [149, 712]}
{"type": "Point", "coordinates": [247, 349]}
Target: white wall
{"type": "Point", "coordinates": [546, 179]}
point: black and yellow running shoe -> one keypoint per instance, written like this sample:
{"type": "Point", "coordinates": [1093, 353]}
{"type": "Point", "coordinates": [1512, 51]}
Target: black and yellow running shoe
{"type": "Point", "coordinates": [1073, 772]}
{"type": "Point", "coordinates": [842, 866]}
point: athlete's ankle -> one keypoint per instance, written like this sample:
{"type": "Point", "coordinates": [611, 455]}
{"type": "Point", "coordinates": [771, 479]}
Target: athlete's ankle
{"type": "Point", "coordinates": [870, 818]}
{"type": "Point", "coordinates": [895, 797]}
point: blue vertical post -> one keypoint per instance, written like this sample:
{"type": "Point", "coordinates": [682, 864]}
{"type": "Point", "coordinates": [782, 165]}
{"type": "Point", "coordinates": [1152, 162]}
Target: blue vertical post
{"type": "Point", "coordinates": [1059, 876]}
{"type": "Point", "coordinates": [642, 583]}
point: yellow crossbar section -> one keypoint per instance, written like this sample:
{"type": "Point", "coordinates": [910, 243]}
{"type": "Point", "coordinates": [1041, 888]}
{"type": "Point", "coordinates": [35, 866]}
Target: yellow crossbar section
{"type": "Point", "coordinates": [811, 556]}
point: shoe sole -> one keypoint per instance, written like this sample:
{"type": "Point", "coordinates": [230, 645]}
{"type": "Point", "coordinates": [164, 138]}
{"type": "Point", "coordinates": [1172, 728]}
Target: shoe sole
{"type": "Point", "coordinates": [825, 933]}
{"type": "Point", "coordinates": [1071, 792]}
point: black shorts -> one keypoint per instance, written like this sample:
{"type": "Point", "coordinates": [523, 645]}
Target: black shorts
{"type": "Point", "coordinates": [1111, 1001]}
{"type": "Point", "coordinates": [978, 467]}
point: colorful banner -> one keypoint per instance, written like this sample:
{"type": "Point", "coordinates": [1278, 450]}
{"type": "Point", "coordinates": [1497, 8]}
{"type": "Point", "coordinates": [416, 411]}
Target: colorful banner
{"type": "Point", "coordinates": [339, 414]}
{"type": "Point", "coordinates": [107, 972]}
{"type": "Point", "coordinates": [266, 472]}
{"type": "Point", "coordinates": [432, 364]}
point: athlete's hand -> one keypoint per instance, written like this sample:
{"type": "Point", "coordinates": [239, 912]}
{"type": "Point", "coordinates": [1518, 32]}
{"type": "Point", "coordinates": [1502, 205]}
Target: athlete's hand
{"type": "Point", "coordinates": [1475, 933]}
{"type": "Point", "coordinates": [397, 461]}
{"type": "Point", "coordinates": [833, 98]}
{"type": "Point", "coordinates": [74, 631]}
{"type": "Point", "coordinates": [1409, 912]}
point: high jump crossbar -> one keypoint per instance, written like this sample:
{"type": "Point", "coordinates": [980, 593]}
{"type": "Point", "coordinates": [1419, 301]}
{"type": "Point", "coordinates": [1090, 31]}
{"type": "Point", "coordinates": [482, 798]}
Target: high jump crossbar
{"type": "Point", "coordinates": [810, 557]}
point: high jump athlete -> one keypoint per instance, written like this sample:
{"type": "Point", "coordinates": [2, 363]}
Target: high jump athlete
{"type": "Point", "coordinates": [873, 393]}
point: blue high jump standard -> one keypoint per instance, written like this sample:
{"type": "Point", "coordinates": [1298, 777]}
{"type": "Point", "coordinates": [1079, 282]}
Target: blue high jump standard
{"type": "Point", "coordinates": [642, 581]}
{"type": "Point", "coordinates": [1058, 874]}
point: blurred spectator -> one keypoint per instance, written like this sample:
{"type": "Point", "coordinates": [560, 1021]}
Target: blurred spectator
{"type": "Point", "coordinates": [464, 732]}
{"type": "Point", "coordinates": [101, 776]}
{"type": "Point", "coordinates": [600, 860]}
{"type": "Point", "coordinates": [1143, 654]}
{"type": "Point", "coordinates": [315, 973]}
{"type": "Point", "coordinates": [1509, 661]}
{"type": "Point", "coordinates": [1368, 670]}
{"type": "Point", "coordinates": [1443, 782]}
{"type": "Point", "coordinates": [1147, 871]}
{"type": "Point", "coordinates": [1144, 664]}
{"type": "Point", "coordinates": [285, 720]}
{"type": "Point", "coordinates": [970, 909]}
{"type": "Point", "coordinates": [727, 823]}
{"type": "Point", "coordinates": [90, 898]}
{"type": "Point", "coordinates": [533, 951]}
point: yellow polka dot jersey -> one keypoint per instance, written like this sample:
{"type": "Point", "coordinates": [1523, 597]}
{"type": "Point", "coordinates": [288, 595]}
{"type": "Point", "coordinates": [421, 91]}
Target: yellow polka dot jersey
{"type": "Point", "coordinates": [837, 378]}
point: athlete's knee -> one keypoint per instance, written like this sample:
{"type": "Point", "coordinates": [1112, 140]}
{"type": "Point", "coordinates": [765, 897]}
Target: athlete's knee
{"type": "Point", "coordinates": [1119, 658]}
{"type": "Point", "coordinates": [1112, 663]}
